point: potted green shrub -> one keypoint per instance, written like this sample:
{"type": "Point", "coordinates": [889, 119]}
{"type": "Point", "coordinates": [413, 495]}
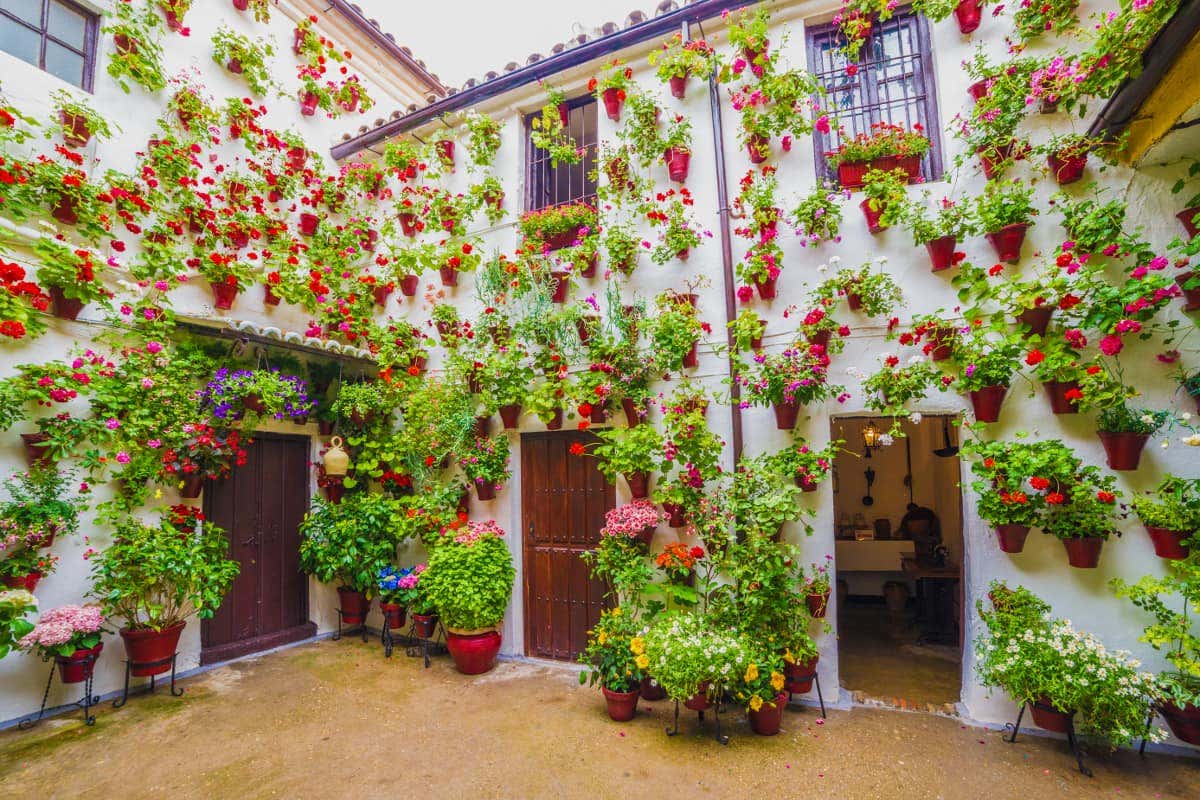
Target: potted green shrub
{"type": "Point", "coordinates": [244, 56]}
{"type": "Point", "coordinates": [868, 289]}
{"type": "Point", "coordinates": [469, 581]}
{"type": "Point", "coordinates": [1171, 515]}
{"type": "Point", "coordinates": [675, 332]}
{"type": "Point", "coordinates": [1005, 211]}
{"type": "Point", "coordinates": [762, 499]}
{"type": "Point", "coordinates": [818, 216]}
{"type": "Point", "coordinates": [611, 663]}
{"type": "Point", "coordinates": [635, 453]}
{"type": "Point", "coordinates": [676, 61]}
{"type": "Point", "coordinates": [692, 662]}
{"type": "Point", "coordinates": [78, 121]}
{"type": "Point", "coordinates": [1123, 429]}
{"type": "Point", "coordinates": [1085, 517]}
{"type": "Point", "coordinates": [485, 462]}
{"type": "Point", "coordinates": [71, 636]}
{"type": "Point", "coordinates": [761, 688]}
{"type": "Point", "coordinates": [939, 229]}
{"type": "Point", "coordinates": [885, 198]}
{"type": "Point", "coordinates": [155, 579]}
{"type": "Point", "coordinates": [788, 380]}
{"type": "Point", "coordinates": [985, 363]}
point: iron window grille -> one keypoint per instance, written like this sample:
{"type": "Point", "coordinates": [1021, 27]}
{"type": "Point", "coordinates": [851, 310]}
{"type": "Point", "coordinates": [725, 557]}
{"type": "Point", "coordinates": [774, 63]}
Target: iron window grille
{"type": "Point", "coordinates": [893, 83]}
{"type": "Point", "coordinates": [56, 36]}
{"type": "Point", "coordinates": [547, 185]}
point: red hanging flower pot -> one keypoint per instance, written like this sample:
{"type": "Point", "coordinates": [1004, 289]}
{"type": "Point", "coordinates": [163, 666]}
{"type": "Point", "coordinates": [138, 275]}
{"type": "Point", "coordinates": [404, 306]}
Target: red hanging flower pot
{"type": "Point", "coordinates": [564, 114]}
{"type": "Point", "coordinates": [873, 217]}
{"type": "Point", "coordinates": [817, 604]}
{"type": "Point", "coordinates": [449, 276]}
{"type": "Point", "coordinates": [1036, 319]}
{"type": "Point", "coordinates": [473, 653]}
{"type": "Point", "coordinates": [561, 285]}
{"type": "Point", "coordinates": [150, 651]}
{"type": "Point", "coordinates": [1168, 543]}
{"type": "Point", "coordinates": [632, 417]}
{"type": "Point", "coordinates": [78, 667]}
{"type": "Point", "coordinates": [758, 146]}
{"type": "Point", "coordinates": [1191, 296]}
{"type": "Point", "coordinates": [1067, 169]}
{"type": "Point", "coordinates": [37, 449]}
{"type": "Point", "coordinates": [1008, 240]}
{"type": "Point", "coordinates": [1083, 552]}
{"type": "Point", "coordinates": [1123, 450]}
{"type": "Point", "coordinates": [622, 706]}
{"type": "Point", "coordinates": [556, 422]}
{"type": "Point", "coordinates": [850, 175]}
{"type": "Point", "coordinates": [445, 151]}
{"type": "Point", "coordinates": [768, 719]}
{"type": "Point", "coordinates": [309, 223]}
{"type": "Point", "coordinates": [799, 676]}
{"type": "Point", "coordinates": [589, 269]}
{"type": "Point", "coordinates": [408, 223]}
{"type": "Point", "coordinates": [993, 157]}
{"type": "Point", "coordinates": [911, 166]}
{"type": "Point", "coordinates": [1011, 537]}
{"type": "Point", "coordinates": [510, 415]}
{"type": "Point", "coordinates": [1184, 721]}
{"type": "Point", "coordinates": [805, 483]}
{"type": "Point", "coordinates": [234, 66]}
{"type": "Point", "coordinates": [308, 103]}
{"type": "Point", "coordinates": [786, 414]}
{"type": "Point", "coordinates": [241, 5]}
{"type": "Point", "coordinates": [968, 13]}
{"type": "Point", "coordinates": [1049, 718]}
{"type": "Point", "coordinates": [600, 412]}
{"type": "Point", "coordinates": [269, 296]}
{"type": "Point", "coordinates": [64, 307]}
{"type": "Point", "coordinates": [409, 284]}
{"type": "Point", "coordinates": [1188, 218]}
{"type": "Point", "coordinates": [678, 85]}
{"type": "Point", "coordinates": [678, 161]}
{"type": "Point", "coordinates": [1056, 393]}
{"type": "Point", "coordinates": [612, 104]}
{"type": "Point", "coordinates": [766, 288]}
{"type": "Point", "coordinates": [64, 211]}
{"type": "Point", "coordinates": [425, 625]}
{"type": "Point", "coordinates": [224, 294]}
{"type": "Point", "coordinates": [381, 293]}
{"type": "Point", "coordinates": [485, 490]}
{"type": "Point", "coordinates": [941, 252]}
{"type": "Point", "coordinates": [987, 402]}
{"type": "Point", "coordinates": [193, 484]}
{"type": "Point", "coordinates": [691, 359]}
{"type": "Point", "coordinates": [28, 582]}
{"type": "Point", "coordinates": [354, 604]}
{"type": "Point", "coordinates": [675, 515]}
{"type": "Point", "coordinates": [75, 130]}
{"type": "Point", "coordinates": [639, 484]}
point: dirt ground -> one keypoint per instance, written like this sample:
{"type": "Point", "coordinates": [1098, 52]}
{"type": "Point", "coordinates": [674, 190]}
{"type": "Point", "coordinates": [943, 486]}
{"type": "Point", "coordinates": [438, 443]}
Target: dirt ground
{"type": "Point", "coordinates": [337, 720]}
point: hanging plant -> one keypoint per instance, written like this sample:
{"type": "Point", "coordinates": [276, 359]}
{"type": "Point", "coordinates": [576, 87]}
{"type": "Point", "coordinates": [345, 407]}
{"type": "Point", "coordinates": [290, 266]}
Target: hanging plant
{"type": "Point", "coordinates": [671, 216]}
{"type": "Point", "coordinates": [818, 216]}
{"type": "Point", "coordinates": [885, 198]}
{"type": "Point", "coordinates": [483, 138]}
{"type": "Point", "coordinates": [677, 147]}
{"type": "Point", "coordinates": [676, 61]}
{"type": "Point", "coordinates": [613, 87]}
{"type": "Point", "coordinates": [1005, 211]}
{"type": "Point", "coordinates": [674, 331]}
{"type": "Point", "coordinates": [949, 223]}
{"type": "Point", "coordinates": [244, 56]}
{"type": "Point", "coordinates": [138, 57]}
{"type": "Point", "coordinates": [72, 276]}
{"type": "Point", "coordinates": [78, 121]}
{"type": "Point", "coordinates": [867, 289]}
{"type": "Point", "coordinates": [548, 132]}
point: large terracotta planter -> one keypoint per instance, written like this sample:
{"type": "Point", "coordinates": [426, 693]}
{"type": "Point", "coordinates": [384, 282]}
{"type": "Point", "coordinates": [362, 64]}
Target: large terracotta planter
{"type": "Point", "coordinates": [968, 14]}
{"type": "Point", "coordinates": [700, 700]}
{"type": "Point", "coordinates": [355, 605]}
{"type": "Point", "coordinates": [1184, 722]}
{"type": "Point", "coordinates": [987, 402]}
{"type": "Point", "coordinates": [1083, 552]}
{"type": "Point", "coordinates": [941, 252]}
{"type": "Point", "coordinates": [1066, 169]}
{"type": "Point", "coordinates": [612, 104]}
{"type": "Point", "coordinates": [425, 625]}
{"type": "Point", "coordinates": [1036, 319]}
{"type": "Point", "coordinates": [224, 294]}
{"type": "Point", "coordinates": [651, 691]}
{"type": "Point", "coordinates": [1123, 450]}
{"type": "Point", "coordinates": [1008, 240]}
{"type": "Point", "coordinates": [639, 484]}
{"type": "Point", "coordinates": [1056, 393]}
{"type": "Point", "coordinates": [678, 162]}
{"type": "Point", "coordinates": [1011, 537]}
{"type": "Point", "coordinates": [1191, 296]}
{"type": "Point", "coordinates": [769, 717]}
{"type": "Point", "coordinates": [27, 582]}
{"type": "Point", "coordinates": [510, 415]}
{"type": "Point", "coordinates": [799, 676]}
{"type": "Point", "coordinates": [622, 706]}
{"type": "Point", "coordinates": [473, 653]}
{"type": "Point", "coordinates": [872, 216]}
{"type": "Point", "coordinates": [1187, 218]}
{"type": "Point", "coordinates": [817, 604]}
{"type": "Point", "coordinates": [394, 615]}
{"type": "Point", "coordinates": [850, 176]}
{"type": "Point", "coordinates": [78, 667]}
{"type": "Point", "coordinates": [150, 651]}
{"type": "Point", "coordinates": [1049, 718]}
{"type": "Point", "coordinates": [1169, 543]}
{"type": "Point", "coordinates": [786, 414]}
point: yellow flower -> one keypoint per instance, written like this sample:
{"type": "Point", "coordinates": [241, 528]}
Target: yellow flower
{"type": "Point", "coordinates": [602, 637]}
{"type": "Point", "coordinates": [788, 657]}
{"type": "Point", "coordinates": [755, 703]}
{"type": "Point", "coordinates": [642, 661]}
{"type": "Point", "coordinates": [751, 672]}
{"type": "Point", "coordinates": [638, 645]}
{"type": "Point", "coordinates": [777, 681]}
{"type": "Point", "coordinates": [616, 612]}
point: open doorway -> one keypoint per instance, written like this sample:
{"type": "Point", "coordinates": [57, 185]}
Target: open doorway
{"type": "Point", "coordinates": [899, 557]}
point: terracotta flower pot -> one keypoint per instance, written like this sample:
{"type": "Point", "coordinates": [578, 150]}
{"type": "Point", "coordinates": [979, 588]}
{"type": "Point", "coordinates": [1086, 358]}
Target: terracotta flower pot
{"type": "Point", "coordinates": [639, 484]}
{"type": "Point", "coordinates": [978, 90]}
{"type": "Point", "coordinates": [651, 691]}
{"type": "Point", "coordinates": [408, 223]}
{"type": "Point", "coordinates": [355, 605]}
{"type": "Point", "coordinates": [449, 276]}
{"type": "Point", "coordinates": [599, 413]}
{"type": "Point", "coordinates": [78, 667]}
{"type": "Point", "coordinates": [622, 706]}
{"type": "Point", "coordinates": [485, 491]}
{"type": "Point", "coordinates": [37, 449]}
{"type": "Point", "coordinates": [1188, 218]}
{"type": "Point", "coordinates": [394, 615]}
{"type": "Point", "coordinates": [473, 653]}
{"type": "Point", "coordinates": [235, 66]}
{"type": "Point", "coordinates": [993, 159]}
{"type": "Point", "coordinates": [510, 415]}
{"type": "Point", "coordinates": [28, 581]}
{"type": "Point", "coordinates": [678, 161]}
{"type": "Point", "coordinates": [64, 307]}
{"type": "Point", "coordinates": [75, 131]}
{"type": "Point", "coordinates": [941, 252]}
{"type": "Point", "coordinates": [799, 676]}
{"type": "Point", "coordinates": [700, 700]}
{"type": "Point", "coordinates": [691, 359]}
{"type": "Point", "coordinates": [309, 223]}
{"type": "Point", "coordinates": [632, 417]}
{"type": "Point", "coordinates": [1083, 552]}
{"type": "Point", "coordinates": [675, 516]}
{"type": "Point", "coordinates": [678, 85]}
{"type": "Point", "coordinates": [987, 402]}
{"type": "Point", "coordinates": [1036, 319]}
{"type": "Point", "coordinates": [1067, 169]}
{"type": "Point", "coordinates": [192, 486]}
{"type": "Point", "coordinates": [851, 175]}
{"type": "Point", "coordinates": [1049, 718]}
{"type": "Point", "coordinates": [758, 147]}
{"type": "Point", "coordinates": [308, 103]}
{"type": "Point", "coordinates": [1169, 543]}
{"type": "Point", "coordinates": [817, 604]}
{"type": "Point", "coordinates": [1191, 296]}
{"type": "Point", "coordinates": [911, 166]}
{"type": "Point", "coordinates": [821, 338]}
{"type": "Point", "coordinates": [425, 625]}
{"type": "Point", "coordinates": [380, 294]}
{"type": "Point", "coordinates": [968, 13]}
{"type": "Point", "coordinates": [612, 104]}
{"type": "Point", "coordinates": [768, 719]}
{"type": "Point", "coordinates": [1008, 240]}
{"type": "Point", "coordinates": [149, 651]}
{"type": "Point", "coordinates": [1183, 721]}
{"type": "Point", "coordinates": [445, 150]}
{"type": "Point", "coordinates": [1011, 537]}
{"type": "Point", "coordinates": [766, 288]}
{"type": "Point", "coordinates": [224, 294]}
{"type": "Point", "coordinates": [65, 211]}
{"type": "Point", "coordinates": [786, 414]}
{"type": "Point", "coordinates": [1123, 450]}
{"type": "Point", "coordinates": [562, 284]}
{"type": "Point", "coordinates": [1056, 393]}
{"type": "Point", "coordinates": [409, 285]}
{"type": "Point", "coordinates": [269, 296]}
{"type": "Point", "coordinates": [873, 217]}
{"type": "Point", "coordinates": [805, 483]}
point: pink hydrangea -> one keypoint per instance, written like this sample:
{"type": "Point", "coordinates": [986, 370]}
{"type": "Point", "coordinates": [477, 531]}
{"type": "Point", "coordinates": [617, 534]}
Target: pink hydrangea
{"type": "Point", "coordinates": [59, 626]}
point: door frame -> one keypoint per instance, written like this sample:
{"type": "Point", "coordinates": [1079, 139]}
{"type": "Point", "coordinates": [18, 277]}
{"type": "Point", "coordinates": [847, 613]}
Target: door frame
{"type": "Point", "coordinates": [296, 633]}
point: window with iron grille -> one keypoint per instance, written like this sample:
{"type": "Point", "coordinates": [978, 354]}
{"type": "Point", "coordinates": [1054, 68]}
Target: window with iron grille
{"type": "Point", "coordinates": [549, 185]}
{"type": "Point", "coordinates": [54, 35]}
{"type": "Point", "coordinates": [893, 81]}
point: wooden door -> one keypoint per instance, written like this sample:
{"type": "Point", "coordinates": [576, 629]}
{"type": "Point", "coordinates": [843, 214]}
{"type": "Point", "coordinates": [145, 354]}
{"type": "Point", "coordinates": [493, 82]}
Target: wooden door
{"type": "Point", "coordinates": [563, 501]}
{"type": "Point", "coordinates": [260, 506]}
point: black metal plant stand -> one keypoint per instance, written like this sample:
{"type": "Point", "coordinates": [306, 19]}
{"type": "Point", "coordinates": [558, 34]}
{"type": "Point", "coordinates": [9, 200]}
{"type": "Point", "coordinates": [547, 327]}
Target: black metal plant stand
{"type": "Point", "coordinates": [86, 703]}
{"type": "Point", "coordinates": [1146, 735]}
{"type": "Point", "coordinates": [817, 680]}
{"type": "Point", "coordinates": [417, 646]}
{"type": "Point", "coordinates": [716, 707]}
{"type": "Point", "coordinates": [361, 628]}
{"type": "Point", "coordinates": [130, 666]}
{"type": "Point", "coordinates": [1072, 739]}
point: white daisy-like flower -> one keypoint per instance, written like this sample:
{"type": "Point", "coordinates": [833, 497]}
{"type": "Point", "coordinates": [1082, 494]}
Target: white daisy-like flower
{"type": "Point", "coordinates": [823, 268]}
{"type": "Point", "coordinates": [886, 439]}
{"type": "Point", "coordinates": [915, 418]}
{"type": "Point", "coordinates": [1185, 416]}
{"type": "Point", "coordinates": [914, 360]}
{"type": "Point", "coordinates": [835, 260]}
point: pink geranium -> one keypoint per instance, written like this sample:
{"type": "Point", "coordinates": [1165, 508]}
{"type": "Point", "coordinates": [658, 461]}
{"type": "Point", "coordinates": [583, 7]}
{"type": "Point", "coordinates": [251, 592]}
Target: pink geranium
{"type": "Point", "coordinates": [631, 519]}
{"type": "Point", "coordinates": [61, 626]}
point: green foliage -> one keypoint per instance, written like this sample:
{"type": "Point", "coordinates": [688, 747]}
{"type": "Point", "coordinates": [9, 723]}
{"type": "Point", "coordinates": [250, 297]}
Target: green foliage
{"type": "Point", "coordinates": [470, 579]}
{"type": "Point", "coordinates": [1004, 203]}
{"type": "Point", "coordinates": [350, 542]}
{"type": "Point", "coordinates": [683, 652]}
{"type": "Point", "coordinates": [14, 605]}
{"type": "Point", "coordinates": [609, 659]}
{"type": "Point", "coordinates": [1174, 504]}
{"type": "Point", "coordinates": [625, 450]}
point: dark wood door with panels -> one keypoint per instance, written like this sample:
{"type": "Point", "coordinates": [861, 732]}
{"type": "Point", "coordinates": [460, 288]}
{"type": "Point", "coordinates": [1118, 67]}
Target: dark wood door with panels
{"type": "Point", "coordinates": [563, 500]}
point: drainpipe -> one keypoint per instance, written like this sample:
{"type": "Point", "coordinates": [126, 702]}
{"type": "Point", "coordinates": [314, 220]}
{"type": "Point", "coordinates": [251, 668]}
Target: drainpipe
{"type": "Point", "coordinates": [735, 391]}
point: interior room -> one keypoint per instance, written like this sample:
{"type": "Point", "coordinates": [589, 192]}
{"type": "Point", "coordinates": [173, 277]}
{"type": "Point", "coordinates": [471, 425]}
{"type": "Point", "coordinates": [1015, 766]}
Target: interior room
{"type": "Point", "coordinates": [899, 555]}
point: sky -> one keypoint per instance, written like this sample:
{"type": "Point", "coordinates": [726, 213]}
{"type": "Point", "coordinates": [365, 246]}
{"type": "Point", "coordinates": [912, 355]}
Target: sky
{"type": "Point", "coordinates": [461, 39]}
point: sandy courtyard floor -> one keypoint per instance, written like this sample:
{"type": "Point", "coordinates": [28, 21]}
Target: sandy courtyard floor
{"type": "Point", "coordinates": [337, 720]}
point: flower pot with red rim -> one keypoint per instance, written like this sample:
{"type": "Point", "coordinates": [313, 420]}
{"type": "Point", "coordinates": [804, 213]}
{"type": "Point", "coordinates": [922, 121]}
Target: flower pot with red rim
{"type": "Point", "coordinates": [786, 414]}
{"type": "Point", "coordinates": [1190, 296]}
{"type": "Point", "coordinates": [768, 719]}
{"type": "Point", "coordinates": [425, 625]}
{"type": "Point", "coordinates": [968, 14]}
{"type": "Point", "coordinates": [354, 604]}
{"type": "Point", "coordinates": [941, 252]}
{"type": "Point", "coordinates": [449, 276]}
{"type": "Point", "coordinates": [678, 85]}
{"type": "Point", "coordinates": [150, 652]}
{"type": "Point", "coordinates": [799, 676]}
{"type": "Point", "coordinates": [622, 706]}
{"type": "Point", "coordinates": [599, 413]}
{"type": "Point", "coordinates": [805, 483]}
{"type": "Point", "coordinates": [1188, 218]}
{"type": "Point", "coordinates": [817, 604]}
{"type": "Point", "coordinates": [408, 224]}
{"type": "Point", "coordinates": [510, 415]}
{"type": "Point", "coordinates": [1066, 169]}
{"type": "Point", "coordinates": [381, 293]}
{"type": "Point", "coordinates": [64, 211]}
{"type": "Point", "coordinates": [1056, 393]}
{"type": "Point", "coordinates": [675, 516]}
{"type": "Point", "coordinates": [651, 691]}
{"type": "Point", "coordinates": [234, 66]}
{"type": "Point", "coordinates": [409, 284]}
{"type": "Point", "coordinates": [632, 417]}
{"type": "Point", "coordinates": [678, 161]}
{"type": "Point", "coordinates": [485, 490]}
{"type": "Point", "coordinates": [193, 484]}
{"type": "Point", "coordinates": [556, 422]}
{"type": "Point", "coordinates": [64, 307]}
{"type": "Point", "coordinates": [1169, 543]}
{"type": "Point", "coordinates": [691, 359]}
{"type": "Point", "coordinates": [1008, 240]}
{"type": "Point", "coordinates": [850, 175]}
{"type": "Point", "coordinates": [1011, 537]}
{"type": "Point", "coordinates": [224, 294]}
{"type": "Point", "coordinates": [28, 581]}
{"type": "Point", "coordinates": [75, 130]}
{"type": "Point", "coordinates": [993, 158]}
{"type": "Point", "coordinates": [309, 223]}
{"type": "Point", "coordinates": [445, 151]}
{"type": "Point", "coordinates": [872, 215]}
{"type": "Point", "coordinates": [1049, 718]}
{"type": "Point", "coordinates": [394, 615]}
{"type": "Point", "coordinates": [37, 449]}
{"type": "Point", "coordinates": [561, 285]}
{"type": "Point", "coordinates": [1184, 721]}
{"type": "Point", "coordinates": [911, 166]}
{"type": "Point", "coordinates": [269, 296]}
{"type": "Point", "coordinates": [308, 103]}
{"type": "Point", "coordinates": [1083, 552]}
{"type": "Point", "coordinates": [987, 402]}
{"type": "Point", "coordinates": [700, 700]}
{"type": "Point", "coordinates": [473, 653]}
{"type": "Point", "coordinates": [78, 667]}
{"type": "Point", "coordinates": [1123, 450]}
{"type": "Point", "coordinates": [639, 484]}
{"type": "Point", "coordinates": [612, 104]}
{"type": "Point", "coordinates": [766, 288]}
{"type": "Point", "coordinates": [1036, 319]}
{"type": "Point", "coordinates": [758, 147]}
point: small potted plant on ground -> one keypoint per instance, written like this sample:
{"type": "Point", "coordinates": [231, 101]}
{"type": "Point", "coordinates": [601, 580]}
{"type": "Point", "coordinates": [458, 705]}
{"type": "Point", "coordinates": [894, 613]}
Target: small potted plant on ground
{"type": "Point", "coordinates": [1171, 515]}
{"type": "Point", "coordinates": [611, 663]}
{"type": "Point", "coordinates": [469, 582]}
{"type": "Point", "coordinates": [397, 591]}
{"type": "Point", "coordinates": [71, 636]}
{"type": "Point", "coordinates": [1084, 518]}
{"type": "Point", "coordinates": [1005, 211]}
{"type": "Point", "coordinates": [762, 689]}
{"type": "Point", "coordinates": [635, 453]}
{"type": "Point", "coordinates": [155, 579]}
